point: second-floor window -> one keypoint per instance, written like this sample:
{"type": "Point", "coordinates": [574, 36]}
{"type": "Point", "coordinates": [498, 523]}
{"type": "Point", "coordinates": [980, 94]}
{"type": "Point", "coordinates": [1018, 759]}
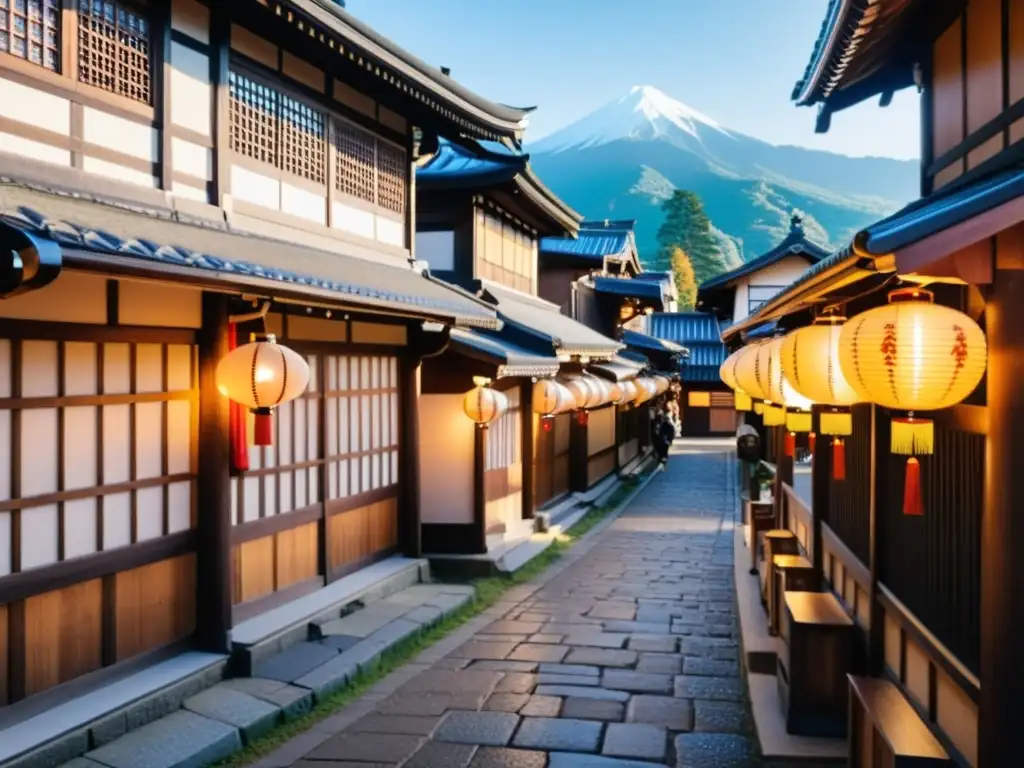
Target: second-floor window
{"type": "Point", "coordinates": [759, 294]}
{"type": "Point", "coordinates": [113, 43]}
{"type": "Point", "coordinates": [272, 127]}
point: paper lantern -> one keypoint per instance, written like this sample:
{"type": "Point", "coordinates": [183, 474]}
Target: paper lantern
{"type": "Point", "coordinates": [810, 361]}
{"type": "Point", "coordinates": [751, 374]}
{"type": "Point", "coordinates": [260, 376]}
{"type": "Point", "coordinates": [727, 371]}
{"type": "Point", "coordinates": [483, 404]}
{"type": "Point", "coordinates": [581, 391]}
{"type": "Point", "coordinates": [661, 384]}
{"type": "Point", "coordinates": [614, 392]}
{"type": "Point", "coordinates": [600, 392]}
{"type": "Point", "coordinates": [629, 392]}
{"type": "Point", "coordinates": [913, 355]}
{"type": "Point", "coordinates": [545, 397]}
{"type": "Point", "coordinates": [797, 407]}
{"type": "Point", "coordinates": [645, 390]}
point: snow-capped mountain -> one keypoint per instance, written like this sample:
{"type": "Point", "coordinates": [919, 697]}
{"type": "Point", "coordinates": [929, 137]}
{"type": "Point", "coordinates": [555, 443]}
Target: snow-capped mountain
{"type": "Point", "coordinates": [626, 157]}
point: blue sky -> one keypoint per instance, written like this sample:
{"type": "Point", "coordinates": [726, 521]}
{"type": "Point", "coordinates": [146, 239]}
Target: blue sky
{"type": "Point", "coordinates": [734, 60]}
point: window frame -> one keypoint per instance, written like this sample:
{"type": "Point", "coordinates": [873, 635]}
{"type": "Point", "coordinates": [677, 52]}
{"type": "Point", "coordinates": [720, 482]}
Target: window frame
{"type": "Point", "coordinates": [754, 304]}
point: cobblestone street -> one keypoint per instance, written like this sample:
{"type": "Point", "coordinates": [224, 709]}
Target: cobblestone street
{"type": "Point", "coordinates": [626, 657]}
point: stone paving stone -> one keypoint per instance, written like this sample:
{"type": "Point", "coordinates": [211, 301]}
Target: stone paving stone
{"type": "Point", "coordinates": [409, 725]}
{"type": "Point", "coordinates": [367, 747]}
{"type": "Point", "coordinates": [714, 750]}
{"type": "Point", "coordinates": [430, 703]}
{"type": "Point", "coordinates": [547, 678]}
{"type": "Point", "coordinates": [593, 639]}
{"type": "Point", "coordinates": [570, 669]}
{"type": "Point", "coordinates": [660, 664]}
{"type": "Point", "coordinates": [555, 733]}
{"type": "Point", "coordinates": [710, 667]}
{"type": "Point", "coordinates": [714, 688]}
{"type": "Point", "coordinates": [478, 649]}
{"type": "Point", "coordinates": [537, 652]}
{"type": "Point", "coordinates": [546, 638]}
{"type": "Point", "coordinates": [506, 702]}
{"type": "Point", "coordinates": [665, 711]}
{"type": "Point", "coordinates": [437, 754]}
{"type": "Point", "coordinates": [637, 627]}
{"type": "Point", "coordinates": [635, 740]}
{"type": "Point", "coordinates": [512, 627]}
{"type": "Point", "coordinates": [496, 757]}
{"type": "Point", "coordinates": [636, 682]}
{"type": "Point", "coordinates": [440, 680]}
{"type": "Point", "coordinates": [340, 642]}
{"type": "Point", "coordinates": [593, 709]}
{"type": "Point", "coordinates": [293, 701]}
{"type": "Point", "coordinates": [492, 729]}
{"type": "Point", "coordinates": [653, 643]}
{"type": "Point", "coordinates": [571, 760]}
{"type": "Point", "coordinates": [601, 657]}
{"type": "Point", "coordinates": [721, 717]}
{"type": "Point", "coordinates": [425, 615]}
{"type": "Point", "coordinates": [180, 739]}
{"type": "Point", "coordinates": [251, 716]}
{"type": "Point", "coordinates": [294, 662]}
{"type": "Point", "coordinates": [542, 706]}
{"type": "Point", "coordinates": [502, 638]}
{"type": "Point", "coordinates": [613, 610]}
{"type": "Point", "coordinates": [363, 622]}
{"type": "Point", "coordinates": [516, 682]}
{"type": "Point", "coordinates": [581, 692]}
{"type": "Point", "coordinates": [491, 665]}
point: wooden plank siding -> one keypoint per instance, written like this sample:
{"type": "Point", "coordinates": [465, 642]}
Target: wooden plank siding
{"type": "Point", "coordinates": [98, 424]}
{"type": "Point", "coordinates": [551, 458]}
{"type": "Point", "coordinates": [503, 464]}
{"type": "Point", "coordinates": [601, 444]}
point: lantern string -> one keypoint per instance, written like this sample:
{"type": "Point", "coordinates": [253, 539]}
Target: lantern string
{"type": "Point", "coordinates": [831, 308]}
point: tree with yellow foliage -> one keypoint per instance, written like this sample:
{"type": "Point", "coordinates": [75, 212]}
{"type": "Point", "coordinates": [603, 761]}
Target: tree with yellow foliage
{"type": "Point", "coordinates": [686, 281]}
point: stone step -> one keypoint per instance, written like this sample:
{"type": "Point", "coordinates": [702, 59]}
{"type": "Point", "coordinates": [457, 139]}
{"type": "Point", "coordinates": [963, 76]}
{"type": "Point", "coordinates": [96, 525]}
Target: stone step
{"type": "Point", "coordinates": [220, 720]}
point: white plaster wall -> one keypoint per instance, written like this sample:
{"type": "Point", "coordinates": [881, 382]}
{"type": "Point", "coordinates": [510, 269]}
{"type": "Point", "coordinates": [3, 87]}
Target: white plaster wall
{"type": "Point", "coordinates": [446, 460]}
{"type": "Point", "coordinates": [781, 273]}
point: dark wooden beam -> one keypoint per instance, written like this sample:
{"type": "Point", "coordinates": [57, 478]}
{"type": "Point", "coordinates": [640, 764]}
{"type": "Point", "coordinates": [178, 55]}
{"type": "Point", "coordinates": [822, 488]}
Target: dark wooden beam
{"type": "Point", "coordinates": [480, 488]}
{"type": "Point", "coordinates": [529, 425]}
{"type": "Point", "coordinates": [578, 452]}
{"type": "Point", "coordinates": [876, 500]}
{"type": "Point", "coordinates": [213, 528]}
{"type": "Point", "coordinates": [220, 55]}
{"type": "Point", "coordinates": [1002, 604]}
{"type": "Point", "coordinates": [821, 474]}
{"type": "Point", "coordinates": [410, 370]}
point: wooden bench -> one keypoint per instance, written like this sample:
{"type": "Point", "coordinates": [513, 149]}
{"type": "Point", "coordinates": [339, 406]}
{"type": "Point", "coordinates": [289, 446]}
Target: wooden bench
{"type": "Point", "coordinates": [885, 731]}
{"type": "Point", "coordinates": [790, 573]}
{"type": "Point", "coordinates": [815, 658]}
{"type": "Point", "coordinates": [777, 541]}
{"type": "Point", "coordinates": [762, 518]}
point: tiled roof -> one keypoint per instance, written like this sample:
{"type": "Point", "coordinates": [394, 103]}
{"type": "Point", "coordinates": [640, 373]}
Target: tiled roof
{"type": "Point", "coordinates": [698, 332]}
{"type": "Point", "coordinates": [794, 244]}
{"type": "Point", "coordinates": [640, 289]}
{"type": "Point", "coordinates": [512, 360]}
{"type": "Point", "coordinates": [596, 240]}
{"type": "Point", "coordinates": [145, 239]}
{"type": "Point", "coordinates": [914, 222]}
{"type": "Point", "coordinates": [652, 343]}
{"type": "Point", "coordinates": [620, 367]}
{"type": "Point", "coordinates": [544, 320]}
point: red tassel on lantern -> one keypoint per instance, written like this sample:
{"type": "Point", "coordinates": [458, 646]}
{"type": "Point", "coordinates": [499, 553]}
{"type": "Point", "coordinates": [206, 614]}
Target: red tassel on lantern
{"type": "Point", "coordinates": [264, 428]}
{"type": "Point", "coordinates": [838, 459]}
{"type": "Point", "coordinates": [790, 444]}
{"type": "Point", "coordinates": [912, 504]}
{"type": "Point", "coordinates": [237, 419]}
{"type": "Point", "coordinates": [811, 440]}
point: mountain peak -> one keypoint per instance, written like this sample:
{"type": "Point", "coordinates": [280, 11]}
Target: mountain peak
{"type": "Point", "coordinates": [645, 113]}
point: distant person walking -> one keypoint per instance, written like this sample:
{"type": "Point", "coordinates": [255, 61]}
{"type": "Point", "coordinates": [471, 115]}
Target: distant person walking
{"type": "Point", "coordinates": [663, 433]}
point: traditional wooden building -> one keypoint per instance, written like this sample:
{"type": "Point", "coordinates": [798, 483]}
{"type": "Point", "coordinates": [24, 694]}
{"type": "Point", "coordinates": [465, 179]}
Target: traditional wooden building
{"type": "Point", "coordinates": [934, 597]}
{"type": "Point", "coordinates": [480, 214]}
{"type": "Point", "coordinates": [173, 176]}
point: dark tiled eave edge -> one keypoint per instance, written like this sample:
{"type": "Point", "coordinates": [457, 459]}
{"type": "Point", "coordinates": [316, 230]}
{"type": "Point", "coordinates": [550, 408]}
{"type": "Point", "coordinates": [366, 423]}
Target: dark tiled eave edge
{"type": "Point", "coordinates": [510, 360]}
{"type": "Point", "coordinates": [406, 72]}
{"type": "Point", "coordinates": [842, 20]}
{"type": "Point", "coordinates": [94, 250]}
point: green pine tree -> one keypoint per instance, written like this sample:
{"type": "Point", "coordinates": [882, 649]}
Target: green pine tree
{"type": "Point", "coordinates": [688, 227]}
{"type": "Point", "coordinates": [685, 280]}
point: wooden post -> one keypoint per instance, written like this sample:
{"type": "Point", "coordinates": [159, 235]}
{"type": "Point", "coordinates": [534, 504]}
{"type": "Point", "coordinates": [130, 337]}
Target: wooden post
{"type": "Point", "coordinates": [411, 533]}
{"type": "Point", "coordinates": [876, 632]}
{"type": "Point", "coordinates": [480, 488]}
{"type": "Point", "coordinates": [1002, 603]}
{"type": "Point", "coordinates": [220, 54]}
{"type": "Point", "coordinates": [578, 452]}
{"type": "Point", "coordinates": [821, 479]}
{"type": "Point", "coordinates": [529, 440]}
{"type": "Point", "coordinates": [213, 527]}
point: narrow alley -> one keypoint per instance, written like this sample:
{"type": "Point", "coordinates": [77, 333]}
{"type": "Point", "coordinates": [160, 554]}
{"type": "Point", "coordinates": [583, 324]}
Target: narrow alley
{"type": "Point", "coordinates": [626, 656]}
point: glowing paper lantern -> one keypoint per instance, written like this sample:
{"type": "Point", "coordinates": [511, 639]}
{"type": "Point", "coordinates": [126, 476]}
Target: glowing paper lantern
{"type": "Point", "coordinates": [913, 355]}
{"type": "Point", "coordinates": [260, 376]}
{"type": "Point", "coordinates": [545, 397]}
{"type": "Point", "coordinates": [810, 362]}
{"type": "Point", "coordinates": [600, 392]}
{"type": "Point", "coordinates": [752, 374]}
{"type": "Point", "coordinates": [629, 392]}
{"type": "Point", "coordinates": [727, 372]}
{"type": "Point", "coordinates": [581, 391]}
{"type": "Point", "coordinates": [483, 404]}
{"type": "Point", "coordinates": [661, 384]}
{"type": "Point", "coordinates": [797, 407]}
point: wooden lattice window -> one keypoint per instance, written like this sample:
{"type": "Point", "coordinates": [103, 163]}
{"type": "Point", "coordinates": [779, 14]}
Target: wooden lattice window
{"type": "Point", "coordinates": [30, 29]}
{"type": "Point", "coordinates": [253, 110]}
{"type": "Point", "coordinates": [114, 49]}
{"type": "Point", "coordinates": [303, 150]}
{"type": "Point", "coordinates": [356, 163]}
{"type": "Point", "coordinates": [391, 174]}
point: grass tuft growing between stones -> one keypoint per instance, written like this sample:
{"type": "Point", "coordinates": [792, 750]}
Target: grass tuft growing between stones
{"type": "Point", "coordinates": [487, 592]}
